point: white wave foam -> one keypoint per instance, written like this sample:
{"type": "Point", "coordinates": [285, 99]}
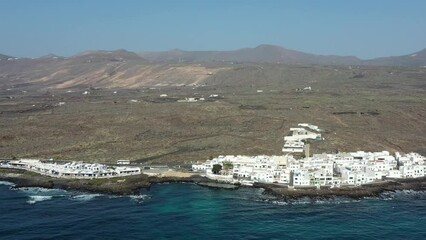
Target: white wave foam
{"type": "Point", "coordinates": [85, 197]}
{"type": "Point", "coordinates": [300, 202]}
{"type": "Point", "coordinates": [305, 201]}
{"type": "Point", "coordinates": [139, 198]}
{"type": "Point", "coordinates": [402, 194]}
{"type": "Point", "coordinates": [114, 196]}
{"type": "Point", "coordinates": [5, 183]}
{"type": "Point", "coordinates": [280, 203]}
{"type": "Point", "coordinates": [44, 191]}
{"type": "Point", "coordinates": [35, 199]}
{"type": "Point", "coordinates": [336, 201]}
{"type": "Point", "coordinates": [37, 194]}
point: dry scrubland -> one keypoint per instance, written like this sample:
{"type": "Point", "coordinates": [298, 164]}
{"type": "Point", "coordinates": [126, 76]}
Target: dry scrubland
{"type": "Point", "coordinates": [380, 109]}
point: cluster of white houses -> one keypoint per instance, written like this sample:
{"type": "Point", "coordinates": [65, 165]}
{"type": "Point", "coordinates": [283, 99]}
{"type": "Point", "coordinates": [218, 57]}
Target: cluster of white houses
{"type": "Point", "coordinates": [295, 143]}
{"type": "Point", "coordinates": [71, 169]}
{"type": "Point", "coordinates": [352, 168]}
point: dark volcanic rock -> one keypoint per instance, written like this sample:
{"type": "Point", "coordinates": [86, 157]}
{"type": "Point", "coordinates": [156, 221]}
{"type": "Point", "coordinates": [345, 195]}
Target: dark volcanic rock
{"type": "Point", "coordinates": [132, 184]}
{"type": "Point", "coordinates": [117, 186]}
{"type": "Point", "coordinates": [368, 190]}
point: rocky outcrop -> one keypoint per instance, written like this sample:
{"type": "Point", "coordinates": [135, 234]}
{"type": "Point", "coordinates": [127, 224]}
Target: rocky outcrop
{"type": "Point", "coordinates": [368, 190]}
{"type": "Point", "coordinates": [117, 186]}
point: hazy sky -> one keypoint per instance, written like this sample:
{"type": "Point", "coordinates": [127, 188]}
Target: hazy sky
{"type": "Point", "coordinates": [364, 28]}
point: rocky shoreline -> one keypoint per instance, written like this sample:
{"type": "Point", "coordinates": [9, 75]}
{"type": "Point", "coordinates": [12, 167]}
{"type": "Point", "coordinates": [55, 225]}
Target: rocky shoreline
{"type": "Point", "coordinates": [128, 185]}
{"type": "Point", "coordinates": [367, 190]}
{"type": "Point", "coordinates": [131, 185]}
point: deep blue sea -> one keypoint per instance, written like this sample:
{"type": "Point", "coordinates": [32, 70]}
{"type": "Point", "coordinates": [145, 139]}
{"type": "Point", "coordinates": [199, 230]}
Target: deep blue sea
{"type": "Point", "coordinates": [188, 211]}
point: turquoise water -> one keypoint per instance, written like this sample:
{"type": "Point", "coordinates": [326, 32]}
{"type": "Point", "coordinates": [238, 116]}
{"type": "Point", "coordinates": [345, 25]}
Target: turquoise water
{"type": "Point", "coordinates": [188, 211]}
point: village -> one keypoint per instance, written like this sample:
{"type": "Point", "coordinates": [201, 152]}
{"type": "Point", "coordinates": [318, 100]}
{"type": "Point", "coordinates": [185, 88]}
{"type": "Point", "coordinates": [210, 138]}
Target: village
{"type": "Point", "coordinates": [76, 170]}
{"type": "Point", "coordinates": [298, 169]}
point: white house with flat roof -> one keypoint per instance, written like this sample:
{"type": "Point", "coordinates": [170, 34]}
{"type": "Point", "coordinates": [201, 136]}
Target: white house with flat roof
{"type": "Point", "coordinates": [293, 147]}
{"type": "Point", "coordinates": [300, 134]}
{"type": "Point", "coordinates": [301, 178]}
{"type": "Point", "coordinates": [310, 126]}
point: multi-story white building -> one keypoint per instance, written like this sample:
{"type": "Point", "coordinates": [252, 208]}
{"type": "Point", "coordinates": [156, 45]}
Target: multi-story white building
{"type": "Point", "coordinates": [293, 147]}
{"type": "Point", "coordinates": [412, 171]}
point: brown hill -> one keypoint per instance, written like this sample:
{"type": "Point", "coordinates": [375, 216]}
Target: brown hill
{"type": "Point", "coordinates": [108, 69]}
{"type": "Point", "coordinates": [124, 69]}
{"type": "Point", "coordinates": [277, 54]}
{"type": "Point", "coordinates": [107, 56]}
{"type": "Point", "coordinates": [5, 57]}
{"type": "Point", "coordinates": [414, 59]}
{"type": "Point", "coordinates": [259, 54]}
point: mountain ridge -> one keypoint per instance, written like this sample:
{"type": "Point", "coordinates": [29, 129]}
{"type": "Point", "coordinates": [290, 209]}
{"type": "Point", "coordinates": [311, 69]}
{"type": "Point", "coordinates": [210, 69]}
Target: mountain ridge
{"type": "Point", "coordinates": [5, 57]}
{"type": "Point", "coordinates": [121, 68]}
{"type": "Point", "coordinates": [413, 59]}
{"type": "Point", "coordinates": [264, 53]}
{"type": "Point", "coordinates": [267, 53]}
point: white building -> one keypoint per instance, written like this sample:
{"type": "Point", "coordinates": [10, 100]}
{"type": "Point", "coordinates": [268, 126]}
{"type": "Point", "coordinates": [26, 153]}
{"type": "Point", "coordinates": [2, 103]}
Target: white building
{"type": "Point", "coordinates": [123, 162]}
{"type": "Point", "coordinates": [412, 171]}
{"type": "Point", "coordinates": [300, 134]}
{"type": "Point", "coordinates": [301, 178]}
{"type": "Point", "coordinates": [72, 169]}
{"type": "Point", "coordinates": [293, 147]}
{"type": "Point", "coordinates": [310, 126]}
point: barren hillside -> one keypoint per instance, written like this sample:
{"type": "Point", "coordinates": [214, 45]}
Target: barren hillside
{"type": "Point", "coordinates": [101, 69]}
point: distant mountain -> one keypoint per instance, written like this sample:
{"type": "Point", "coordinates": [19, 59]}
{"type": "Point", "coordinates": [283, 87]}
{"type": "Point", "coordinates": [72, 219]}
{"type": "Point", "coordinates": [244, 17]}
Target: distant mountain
{"type": "Point", "coordinates": [261, 53]}
{"type": "Point", "coordinates": [277, 54]}
{"type": "Point", "coordinates": [50, 56]}
{"type": "Point", "coordinates": [124, 69]}
{"type": "Point", "coordinates": [5, 57]}
{"type": "Point", "coordinates": [107, 56]}
{"type": "Point", "coordinates": [414, 59]}
{"type": "Point", "coordinates": [118, 68]}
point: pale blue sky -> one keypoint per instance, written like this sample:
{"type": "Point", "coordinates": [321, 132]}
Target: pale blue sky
{"type": "Point", "coordinates": [364, 28]}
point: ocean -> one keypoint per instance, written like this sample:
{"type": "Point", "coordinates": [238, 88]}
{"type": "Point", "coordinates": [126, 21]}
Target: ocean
{"type": "Point", "coordinates": [189, 211]}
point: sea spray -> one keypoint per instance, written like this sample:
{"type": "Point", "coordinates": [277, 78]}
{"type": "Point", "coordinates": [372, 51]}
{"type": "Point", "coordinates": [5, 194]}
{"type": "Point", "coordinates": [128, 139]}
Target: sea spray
{"type": "Point", "coordinates": [139, 198]}
{"type": "Point", "coordinates": [85, 197]}
{"type": "Point", "coordinates": [37, 198]}
{"type": "Point", "coordinates": [5, 183]}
